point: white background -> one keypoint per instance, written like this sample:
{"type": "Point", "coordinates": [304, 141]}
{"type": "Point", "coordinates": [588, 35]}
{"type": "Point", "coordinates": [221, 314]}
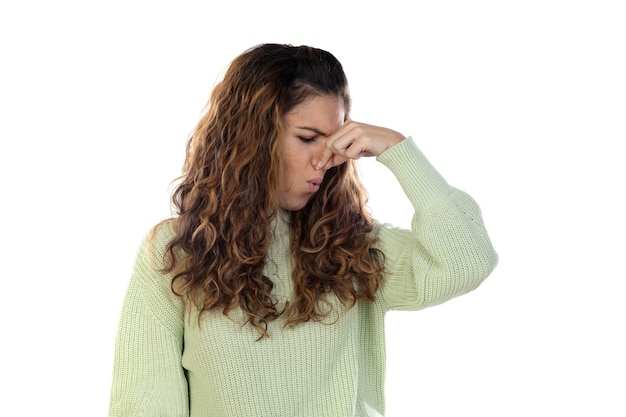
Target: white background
{"type": "Point", "coordinates": [521, 104]}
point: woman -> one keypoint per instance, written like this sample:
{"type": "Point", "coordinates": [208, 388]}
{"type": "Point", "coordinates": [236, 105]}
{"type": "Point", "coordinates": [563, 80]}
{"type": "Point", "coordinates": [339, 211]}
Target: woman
{"type": "Point", "coordinates": [266, 294]}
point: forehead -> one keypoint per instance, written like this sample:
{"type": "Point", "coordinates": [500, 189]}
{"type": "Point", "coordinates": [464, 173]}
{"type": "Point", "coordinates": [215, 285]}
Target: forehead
{"type": "Point", "coordinates": [326, 113]}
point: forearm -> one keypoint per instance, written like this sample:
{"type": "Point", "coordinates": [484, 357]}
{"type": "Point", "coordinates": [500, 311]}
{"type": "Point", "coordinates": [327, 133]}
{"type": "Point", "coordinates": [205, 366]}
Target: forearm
{"type": "Point", "coordinates": [447, 252]}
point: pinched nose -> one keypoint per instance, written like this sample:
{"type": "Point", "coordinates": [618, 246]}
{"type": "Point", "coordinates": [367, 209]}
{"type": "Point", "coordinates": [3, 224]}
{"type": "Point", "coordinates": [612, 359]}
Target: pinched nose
{"type": "Point", "coordinates": [320, 165]}
{"type": "Point", "coordinates": [330, 162]}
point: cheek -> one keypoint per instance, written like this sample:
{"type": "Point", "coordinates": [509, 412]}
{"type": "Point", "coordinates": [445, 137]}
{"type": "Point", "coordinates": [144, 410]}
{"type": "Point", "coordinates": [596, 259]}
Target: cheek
{"type": "Point", "coordinates": [292, 159]}
{"type": "Point", "coordinates": [287, 167]}
{"type": "Point", "coordinates": [284, 176]}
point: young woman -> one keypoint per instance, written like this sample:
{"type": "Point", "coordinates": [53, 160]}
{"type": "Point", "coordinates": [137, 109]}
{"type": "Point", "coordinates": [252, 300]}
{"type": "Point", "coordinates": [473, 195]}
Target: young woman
{"type": "Point", "coordinates": [266, 294]}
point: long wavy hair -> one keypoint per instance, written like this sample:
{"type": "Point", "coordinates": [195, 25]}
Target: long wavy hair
{"type": "Point", "coordinates": [226, 198]}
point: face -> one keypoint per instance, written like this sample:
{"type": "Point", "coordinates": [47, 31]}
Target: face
{"type": "Point", "coordinates": [307, 127]}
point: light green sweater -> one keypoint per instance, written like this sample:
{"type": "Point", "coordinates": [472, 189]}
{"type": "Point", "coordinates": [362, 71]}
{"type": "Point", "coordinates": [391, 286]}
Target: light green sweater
{"type": "Point", "coordinates": [165, 365]}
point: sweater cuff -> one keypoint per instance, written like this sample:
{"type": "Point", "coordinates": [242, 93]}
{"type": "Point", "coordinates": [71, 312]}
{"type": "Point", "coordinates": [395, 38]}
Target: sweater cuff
{"type": "Point", "coordinates": [421, 182]}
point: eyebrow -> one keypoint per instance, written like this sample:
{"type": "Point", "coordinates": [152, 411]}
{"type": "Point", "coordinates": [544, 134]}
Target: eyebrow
{"type": "Point", "coordinates": [313, 129]}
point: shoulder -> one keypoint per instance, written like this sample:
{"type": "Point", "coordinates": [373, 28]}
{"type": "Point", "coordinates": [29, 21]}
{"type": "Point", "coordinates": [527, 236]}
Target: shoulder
{"type": "Point", "coordinates": [154, 244]}
{"type": "Point", "coordinates": [151, 274]}
{"type": "Point", "coordinates": [162, 232]}
{"type": "Point", "coordinates": [152, 258]}
{"type": "Point", "coordinates": [149, 295]}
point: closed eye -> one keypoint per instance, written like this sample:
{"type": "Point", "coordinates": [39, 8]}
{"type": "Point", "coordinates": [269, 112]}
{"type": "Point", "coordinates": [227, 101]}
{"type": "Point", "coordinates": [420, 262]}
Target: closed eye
{"type": "Point", "coordinates": [306, 139]}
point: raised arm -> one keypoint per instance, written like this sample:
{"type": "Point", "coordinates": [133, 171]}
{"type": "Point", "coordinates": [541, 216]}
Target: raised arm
{"type": "Point", "coordinates": [447, 252]}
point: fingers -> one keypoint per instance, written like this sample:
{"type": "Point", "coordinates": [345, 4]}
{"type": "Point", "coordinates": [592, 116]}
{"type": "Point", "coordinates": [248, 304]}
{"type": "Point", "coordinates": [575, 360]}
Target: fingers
{"type": "Point", "coordinates": [339, 147]}
{"type": "Point", "coordinates": [355, 140]}
{"type": "Point", "coordinates": [326, 159]}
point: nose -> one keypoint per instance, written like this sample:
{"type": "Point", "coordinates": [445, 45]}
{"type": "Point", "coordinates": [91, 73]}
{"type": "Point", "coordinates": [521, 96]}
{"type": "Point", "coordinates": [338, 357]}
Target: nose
{"type": "Point", "coordinates": [327, 159]}
{"type": "Point", "coordinates": [322, 159]}
{"type": "Point", "coordinates": [319, 165]}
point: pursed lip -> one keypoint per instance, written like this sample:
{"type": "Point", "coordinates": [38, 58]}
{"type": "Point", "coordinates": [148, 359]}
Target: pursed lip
{"type": "Point", "coordinates": [314, 184]}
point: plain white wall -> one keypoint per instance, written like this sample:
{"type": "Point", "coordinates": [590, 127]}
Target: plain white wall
{"type": "Point", "coordinates": [521, 104]}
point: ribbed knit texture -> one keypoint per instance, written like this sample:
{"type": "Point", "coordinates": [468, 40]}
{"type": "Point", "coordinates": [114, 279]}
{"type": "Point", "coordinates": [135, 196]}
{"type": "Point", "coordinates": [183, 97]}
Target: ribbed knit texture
{"type": "Point", "coordinates": [167, 365]}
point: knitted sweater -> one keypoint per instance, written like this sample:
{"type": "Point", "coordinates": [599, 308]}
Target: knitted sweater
{"type": "Point", "coordinates": [168, 365]}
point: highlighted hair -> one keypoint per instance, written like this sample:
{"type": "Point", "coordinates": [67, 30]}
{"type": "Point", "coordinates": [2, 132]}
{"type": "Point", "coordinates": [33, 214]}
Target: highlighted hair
{"type": "Point", "coordinates": [225, 199]}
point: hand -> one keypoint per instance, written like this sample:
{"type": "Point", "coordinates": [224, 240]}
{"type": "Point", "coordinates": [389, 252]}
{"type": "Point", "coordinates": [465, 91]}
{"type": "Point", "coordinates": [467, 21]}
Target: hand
{"type": "Point", "coordinates": [354, 140]}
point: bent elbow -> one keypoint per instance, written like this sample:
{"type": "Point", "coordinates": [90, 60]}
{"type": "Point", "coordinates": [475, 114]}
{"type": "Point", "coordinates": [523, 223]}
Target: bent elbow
{"type": "Point", "coordinates": [481, 267]}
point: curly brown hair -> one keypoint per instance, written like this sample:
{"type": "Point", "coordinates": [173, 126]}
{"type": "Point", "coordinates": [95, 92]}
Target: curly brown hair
{"type": "Point", "coordinates": [226, 199]}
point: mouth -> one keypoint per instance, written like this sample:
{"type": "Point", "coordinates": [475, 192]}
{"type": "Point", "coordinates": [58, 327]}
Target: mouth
{"type": "Point", "coordinates": [314, 184]}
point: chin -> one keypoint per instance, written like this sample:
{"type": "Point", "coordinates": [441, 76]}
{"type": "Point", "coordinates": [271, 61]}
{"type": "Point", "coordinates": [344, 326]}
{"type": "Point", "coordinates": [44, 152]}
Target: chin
{"type": "Point", "coordinates": [294, 205]}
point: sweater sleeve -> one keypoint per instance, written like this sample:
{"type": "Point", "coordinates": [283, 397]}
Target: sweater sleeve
{"type": "Point", "coordinates": [148, 377]}
{"type": "Point", "coordinates": [446, 253]}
